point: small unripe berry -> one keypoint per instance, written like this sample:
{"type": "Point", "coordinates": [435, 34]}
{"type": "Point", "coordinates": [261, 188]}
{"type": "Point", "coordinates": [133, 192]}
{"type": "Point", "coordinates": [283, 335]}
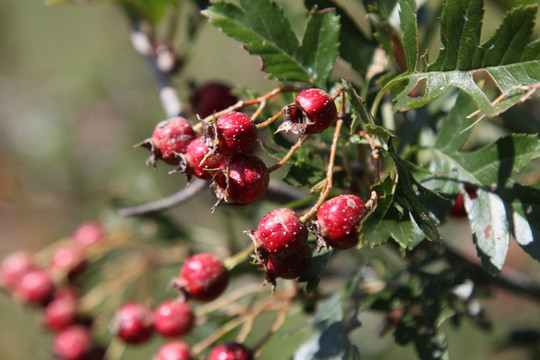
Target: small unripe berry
{"type": "Point", "coordinates": [338, 220]}
{"type": "Point", "coordinates": [175, 350]}
{"type": "Point", "coordinates": [35, 287]}
{"type": "Point", "coordinates": [173, 318]}
{"type": "Point", "coordinates": [244, 178]}
{"type": "Point", "coordinates": [133, 323]}
{"type": "Point", "coordinates": [288, 267]}
{"type": "Point", "coordinates": [236, 133]}
{"type": "Point", "coordinates": [88, 233]}
{"type": "Point", "coordinates": [280, 232]}
{"type": "Point", "coordinates": [313, 112]}
{"type": "Point", "coordinates": [72, 343]}
{"type": "Point", "coordinates": [197, 151]}
{"type": "Point", "coordinates": [212, 97]}
{"type": "Point", "coordinates": [231, 351]}
{"type": "Point", "coordinates": [202, 278]}
{"type": "Point", "coordinates": [14, 267]}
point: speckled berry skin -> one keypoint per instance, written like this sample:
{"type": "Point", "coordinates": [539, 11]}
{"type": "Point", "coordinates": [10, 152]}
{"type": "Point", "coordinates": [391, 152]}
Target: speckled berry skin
{"type": "Point", "coordinates": [14, 267]}
{"type": "Point", "coordinates": [72, 343]}
{"type": "Point", "coordinates": [175, 350]}
{"type": "Point", "coordinates": [231, 351]}
{"type": "Point", "coordinates": [203, 278]}
{"type": "Point", "coordinates": [247, 180]}
{"type": "Point", "coordinates": [195, 154]}
{"type": "Point", "coordinates": [236, 132]}
{"type": "Point", "coordinates": [288, 267]}
{"type": "Point", "coordinates": [319, 108]}
{"type": "Point", "coordinates": [212, 96]}
{"type": "Point", "coordinates": [338, 220]}
{"type": "Point", "coordinates": [173, 318]}
{"type": "Point", "coordinates": [133, 323]}
{"type": "Point", "coordinates": [280, 233]}
{"type": "Point", "coordinates": [35, 287]}
{"type": "Point", "coordinates": [170, 138]}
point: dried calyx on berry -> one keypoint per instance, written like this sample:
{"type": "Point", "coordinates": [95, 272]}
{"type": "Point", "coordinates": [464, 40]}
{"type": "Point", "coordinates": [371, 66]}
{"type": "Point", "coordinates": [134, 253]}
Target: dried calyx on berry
{"type": "Point", "coordinates": [200, 161]}
{"type": "Point", "coordinates": [232, 134]}
{"type": "Point", "coordinates": [313, 111]}
{"type": "Point", "coordinates": [170, 138]}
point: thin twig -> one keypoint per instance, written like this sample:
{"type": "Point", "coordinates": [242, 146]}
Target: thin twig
{"type": "Point", "coordinates": [293, 148]}
{"type": "Point", "coordinates": [276, 325]}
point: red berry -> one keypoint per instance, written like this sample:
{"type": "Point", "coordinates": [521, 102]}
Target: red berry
{"type": "Point", "coordinates": [88, 233]}
{"type": "Point", "coordinates": [288, 267]}
{"type": "Point", "coordinates": [231, 351]}
{"type": "Point", "coordinates": [133, 323]}
{"type": "Point", "coordinates": [61, 311]}
{"type": "Point", "coordinates": [69, 259]}
{"type": "Point", "coordinates": [196, 153]}
{"type": "Point", "coordinates": [176, 350]}
{"type": "Point", "coordinates": [14, 267]}
{"type": "Point", "coordinates": [170, 139]}
{"type": "Point", "coordinates": [212, 97]}
{"type": "Point", "coordinates": [203, 277]}
{"type": "Point", "coordinates": [235, 132]}
{"type": "Point", "coordinates": [35, 287]}
{"type": "Point", "coordinates": [173, 318]}
{"type": "Point", "coordinates": [280, 232]}
{"type": "Point", "coordinates": [458, 209]}
{"type": "Point", "coordinates": [72, 343]}
{"type": "Point", "coordinates": [313, 112]}
{"type": "Point", "coordinates": [244, 178]}
{"type": "Point", "coordinates": [338, 220]}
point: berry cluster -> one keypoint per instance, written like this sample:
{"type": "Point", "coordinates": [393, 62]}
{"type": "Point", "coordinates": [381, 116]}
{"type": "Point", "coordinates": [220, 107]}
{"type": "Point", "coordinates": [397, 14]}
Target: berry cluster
{"type": "Point", "coordinates": [51, 288]}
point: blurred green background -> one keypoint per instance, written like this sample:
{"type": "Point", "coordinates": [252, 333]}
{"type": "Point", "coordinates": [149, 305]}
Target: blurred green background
{"type": "Point", "coordinates": [74, 98]}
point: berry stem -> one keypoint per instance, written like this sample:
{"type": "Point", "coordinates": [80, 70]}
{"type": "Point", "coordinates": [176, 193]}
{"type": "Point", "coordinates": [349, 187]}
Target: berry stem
{"type": "Point", "coordinates": [327, 187]}
{"type": "Point", "coordinates": [208, 341]}
{"type": "Point", "coordinates": [238, 258]}
{"type": "Point", "coordinates": [286, 158]}
{"type": "Point", "coordinates": [375, 154]}
{"type": "Point", "coordinates": [271, 120]}
{"type": "Point", "coordinates": [276, 325]}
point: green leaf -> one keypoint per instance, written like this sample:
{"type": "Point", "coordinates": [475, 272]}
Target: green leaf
{"type": "Point", "coordinates": [355, 47]}
{"type": "Point", "coordinates": [506, 65]}
{"type": "Point", "coordinates": [265, 31]}
{"type": "Point", "coordinates": [407, 17]}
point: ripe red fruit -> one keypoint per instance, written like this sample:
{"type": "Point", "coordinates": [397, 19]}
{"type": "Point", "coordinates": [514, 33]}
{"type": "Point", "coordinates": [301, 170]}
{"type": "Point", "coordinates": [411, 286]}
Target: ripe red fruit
{"type": "Point", "coordinates": [458, 209]}
{"type": "Point", "coordinates": [313, 112]}
{"type": "Point", "coordinates": [338, 220]}
{"type": "Point", "coordinates": [133, 323]}
{"type": "Point", "coordinates": [72, 343]}
{"type": "Point", "coordinates": [35, 287]}
{"type": "Point", "coordinates": [243, 179]}
{"type": "Point", "coordinates": [235, 132]}
{"type": "Point", "coordinates": [88, 233]}
{"type": "Point", "coordinates": [280, 232]}
{"type": "Point", "coordinates": [231, 351]}
{"type": "Point", "coordinates": [173, 318]}
{"type": "Point", "coordinates": [61, 311]}
{"type": "Point", "coordinates": [212, 97]}
{"type": "Point", "coordinates": [69, 259]}
{"type": "Point", "coordinates": [288, 267]}
{"type": "Point", "coordinates": [14, 267]}
{"type": "Point", "coordinates": [176, 350]}
{"type": "Point", "coordinates": [196, 153]}
{"type": "Point", "coordinates": [170, 138]}
{"type": "Point", "coordinates": [202, 278]}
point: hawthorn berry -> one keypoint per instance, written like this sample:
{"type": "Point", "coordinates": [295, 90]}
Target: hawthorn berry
{"type": "Point", "coordinates": [170, 138]}
{"type": "Point", "coordinates": [288, 267]}
{"type": "Point", "coordinates": [197, 151]}
{"type": "Point", "coordinates": [60, 312]}
{"type": "Point", "coordinates": [312, 112]}
{"type": "Point", "coordinates": [243, 179]}
{"type": "Point", "coordinates": [173, 318]}
{"type": "Point", "coordinates": [69, 259]}
{"type": "Point", "coordinates": [234, 133]}
{"type": "Point", "coordinates": [72, 343]}
{"type": "Point", "coordinates": [175, 350]}
{"type": "Point", "coordinates": [338, 220]}
{"type": "Point", "coordinates": [231, 351]}
{"type": "Point", "coordinates": [133, 323]}
{"type": "Point", "coordinates": [35, 287]}
{"type": "Point", "coordinates": [280, 233]}
{"type": "Point", "coordinates": [14, 267]}
{"type": "Point", "coordinates": [88, 233]}
{"type": "Point", "coordinates": [211, 97]}
{"type": "Point", "coordinates": [458, 209]}
{"type": "Point", "coordinates": [203, 278]}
